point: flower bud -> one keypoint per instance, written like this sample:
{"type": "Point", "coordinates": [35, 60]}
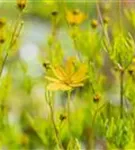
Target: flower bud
{"type": "Point", "coordinates": [46, 65]}
{"type": "Point", "coordinates": [106, 20]}
{"type": "Point", "coordinates": [130, 71]}
{"type": "Point", "coordinates": [2, 22]}
{"type": "Point", "coordinates": [2, 39]}
{"type": "Point", "coordinates": [62, 117]}
{"type": "Point", "coordinates": [96, 98]}
{"type": "Point", "coordinates": [94, 23]}
{"type": "Point", "coordinates": [21, 4]}
{"type": "Point", "coordinates": [54, 13]}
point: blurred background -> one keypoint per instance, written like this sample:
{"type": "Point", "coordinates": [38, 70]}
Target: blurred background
{"type": "Point", "coordinates": [22, 86]}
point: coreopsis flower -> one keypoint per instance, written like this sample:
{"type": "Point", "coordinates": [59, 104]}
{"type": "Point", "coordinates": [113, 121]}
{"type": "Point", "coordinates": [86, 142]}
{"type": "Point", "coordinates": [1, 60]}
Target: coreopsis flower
{"type": "Point", "coordinates": [67, 78]}
{"type": "Point", "coordinates": [75, 17]}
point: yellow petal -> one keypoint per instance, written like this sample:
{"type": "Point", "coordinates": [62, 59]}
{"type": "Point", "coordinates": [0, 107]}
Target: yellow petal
{"type": "Point", "coordinates": [58, 86]}
{"type": "Point", "coordinates": [59, 73]}
{"type": "Point", "coordinates": [76, 85]}
{"type": "Point", "coordinates": [80, 18]}
{"type": "Point", "coordinates": [70, 17]}
{"type": "Point", "coordinates": [80, 75]}
{"type": "Point", "coordinates": [80, 80]}
{"type": "Point", "coordinates": [51, 79]}
{"type": "Point", "coordinates": [69, 66]}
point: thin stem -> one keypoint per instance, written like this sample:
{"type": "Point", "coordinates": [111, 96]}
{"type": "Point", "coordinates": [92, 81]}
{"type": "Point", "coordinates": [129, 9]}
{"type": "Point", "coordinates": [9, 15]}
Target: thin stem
{"type": "Point", "coordinates": [68, 108]}
{"type": "Point", "coordinates": [54, 38]}
{"type": "Point", "coordinates": [77, 51]}
{"type": "Point", "coordinates": [69, 26]}
{"type": "Point", "coordinates": [96, 113]}
{"type": "Point", "coordinates": [92, 87]}
{"type": "Point", "coordinates": [102, 23]}
{"type": "Point", "coordinates": [3, 64]}
{"type": "Point", "coordinates": [55, 128]}
{"type": "Point", "coordinates": [48, 100]}
{"type": "Point", "coordinates": [121, 93]}
{"type": "Point", "coordinates": [109, 111]}
{"type": "Point", "coordinates": [93, 123]}
{"type": "Point", "coordinates": [54, 27]}
{"type": "Point", "coordinates": [120, 15]}
{"type": "Point", "coordinates": [11, 41]}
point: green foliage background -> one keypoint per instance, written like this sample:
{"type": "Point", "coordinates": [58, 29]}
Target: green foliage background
{"type": "Point", "coordinates": [102, 111]}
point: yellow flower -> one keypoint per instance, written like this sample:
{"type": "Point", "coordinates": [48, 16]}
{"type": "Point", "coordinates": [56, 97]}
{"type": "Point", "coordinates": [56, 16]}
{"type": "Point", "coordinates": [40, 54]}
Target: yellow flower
{"type": "Point", "coordinates": [68, 78]}
{"type": "Point", "coordinates": [75, 17]}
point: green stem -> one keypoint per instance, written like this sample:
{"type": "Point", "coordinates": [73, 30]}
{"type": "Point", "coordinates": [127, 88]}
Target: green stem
{"type": "Point", "coordinates": [11, 42]}
{"type": "Point", "coordinates": [49, 101]}
{"type": "Point", "coordinates": [120, 15]}
{"type": "Point", "coordinates": [3, 64]}
{"type": "Point", "coordinates": [109, 111]}
{"type": "Point", "coordinates": [55, 128]}
{"type": "Point", "coordinates": [121, 93]}
{"type": "Point", "coordinates": [105, 32]}
{"type": "Point", "coordinates": [68, 110]}
{"type": "Point", "coordinates": [93, 123]}
{"type": "Point", "coordinates": [63, 3]}
{"type": "Point", "coordinates": [76, 50]}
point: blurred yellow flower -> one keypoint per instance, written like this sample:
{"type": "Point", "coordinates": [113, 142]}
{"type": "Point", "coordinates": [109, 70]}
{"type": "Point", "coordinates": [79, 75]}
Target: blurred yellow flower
{"type": "Point", "coordinates": [68, 78]}
{"type": "Point", "coordinates": [75, 17]}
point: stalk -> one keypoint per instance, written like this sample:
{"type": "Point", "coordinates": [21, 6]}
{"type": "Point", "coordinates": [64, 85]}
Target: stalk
{"type": "Point", "coordinates": [93, 123]}
{"type": "Point", "coordinates": [68, 109]}
{"type": "Point", "coordinates": [12, 40]}
{"type": "Point", "coordinates": [121, 93]}
{"type": "Point", "coordinates": [48, 100]}
{"type": "Point", "coordinates": [102, 24]}
{"type": "Point", "coordinates": [55, 128]}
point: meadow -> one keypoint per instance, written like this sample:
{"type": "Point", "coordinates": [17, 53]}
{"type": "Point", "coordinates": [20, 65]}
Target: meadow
{"type": "Point", "coordinates": [67, 75]}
